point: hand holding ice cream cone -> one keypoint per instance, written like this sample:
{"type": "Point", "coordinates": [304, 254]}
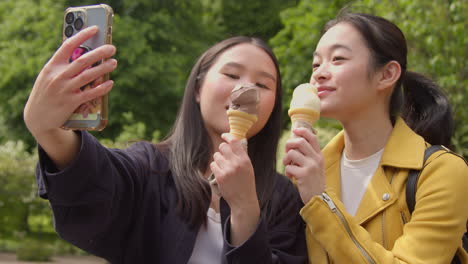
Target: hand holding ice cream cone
{"type": "Point", "coordinates": [242, 115]}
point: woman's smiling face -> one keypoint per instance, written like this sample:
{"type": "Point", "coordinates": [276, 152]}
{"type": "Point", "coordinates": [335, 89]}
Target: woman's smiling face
{"type": "Point", "coordinates": [341, 73]}
{"type": "Point", "coordinates": [242, 64]}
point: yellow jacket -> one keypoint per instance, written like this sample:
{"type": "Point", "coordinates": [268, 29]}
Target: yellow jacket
{"type": "Point", "coordinates": [383, 231]}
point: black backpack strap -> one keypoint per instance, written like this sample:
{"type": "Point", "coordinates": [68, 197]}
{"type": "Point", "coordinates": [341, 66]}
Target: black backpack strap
{"type": "Point", "coordinates": [413, 178]}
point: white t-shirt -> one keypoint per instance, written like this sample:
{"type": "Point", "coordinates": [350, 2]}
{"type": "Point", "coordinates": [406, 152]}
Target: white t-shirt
{"type": "Point", "coordinates": [209, 244]}
{"type": "Point", "coordinates": [355, 176]}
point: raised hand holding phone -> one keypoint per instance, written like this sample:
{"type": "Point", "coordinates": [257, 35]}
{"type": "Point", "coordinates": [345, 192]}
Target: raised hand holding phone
{"type": "Point", "coordinates": [56, 93]}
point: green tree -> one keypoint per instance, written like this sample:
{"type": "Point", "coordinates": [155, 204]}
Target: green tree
{"type": "Point", "coordinates": [17, 188]}
{"type": "Point", "coordinates": [250, 18]}
{"type": "Point", "coordinates": [30, 32]}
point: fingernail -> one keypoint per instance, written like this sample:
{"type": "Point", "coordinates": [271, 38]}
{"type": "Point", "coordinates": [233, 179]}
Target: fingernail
{"type": "Point", "coordinates": [113, 49]}
{"type": "Point", "coordinates": [108, 83]}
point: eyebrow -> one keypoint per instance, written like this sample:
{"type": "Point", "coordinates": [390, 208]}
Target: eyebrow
{"type": "Point", "coordinates": [238, 65]}
{"type": "Point", "coordinates": [334, 47]}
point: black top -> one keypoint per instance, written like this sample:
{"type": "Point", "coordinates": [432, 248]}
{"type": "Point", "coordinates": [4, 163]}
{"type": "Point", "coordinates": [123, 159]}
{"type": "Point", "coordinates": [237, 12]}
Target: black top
{"type": "Point", "coordinates": [121, 205]}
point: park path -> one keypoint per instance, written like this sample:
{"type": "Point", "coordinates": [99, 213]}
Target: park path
{"type": "Point", "coordinates": [9, 258]}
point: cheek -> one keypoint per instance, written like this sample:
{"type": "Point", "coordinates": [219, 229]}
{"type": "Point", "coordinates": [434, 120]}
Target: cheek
{"type": "Point", "coordinates": [215, 90]}
{"type": "Point", "coordinates": [267, 103]}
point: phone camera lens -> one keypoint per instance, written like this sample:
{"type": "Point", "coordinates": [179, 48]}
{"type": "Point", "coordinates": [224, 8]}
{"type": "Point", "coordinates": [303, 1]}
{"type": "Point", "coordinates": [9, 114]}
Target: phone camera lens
{"type": "Point", "coordinates": [78, 24]}
{"type": "Point", "coordinates": [68, 31]}
{"type": "Point", "coordinates": [69, 18]}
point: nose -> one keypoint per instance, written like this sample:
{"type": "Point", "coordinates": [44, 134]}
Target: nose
{"type": "Point", "coordinates": [320, 73]}
{"type": "Point", "coordinates": [246, 81]}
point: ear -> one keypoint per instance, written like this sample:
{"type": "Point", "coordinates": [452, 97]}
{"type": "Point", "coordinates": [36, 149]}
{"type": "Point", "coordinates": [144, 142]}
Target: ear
{"type": "Point", "coordinates": [389, 75]}
{"type": "Point", "coordinates": [197, 95]}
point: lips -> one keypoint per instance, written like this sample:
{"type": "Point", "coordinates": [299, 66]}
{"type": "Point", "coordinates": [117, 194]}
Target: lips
{"type": "Point", "coordinates": [323, 91]}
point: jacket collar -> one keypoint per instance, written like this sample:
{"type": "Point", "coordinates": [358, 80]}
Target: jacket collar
{"type": "Point", "coordinates": [404, 150]}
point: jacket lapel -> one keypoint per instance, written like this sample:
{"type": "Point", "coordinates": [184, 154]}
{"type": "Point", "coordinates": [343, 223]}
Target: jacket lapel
{"type": "Point", "coordinates": [404, 150]}
{"type": "Point", "coordinates": [378, 196]}
{"type": "Point", "coordinates": [332, 152]}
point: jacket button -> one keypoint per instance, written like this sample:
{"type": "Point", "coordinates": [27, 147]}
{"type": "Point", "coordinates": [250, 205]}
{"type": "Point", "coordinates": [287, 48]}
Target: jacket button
{"type": "Point", "coordinates": [386, 197]}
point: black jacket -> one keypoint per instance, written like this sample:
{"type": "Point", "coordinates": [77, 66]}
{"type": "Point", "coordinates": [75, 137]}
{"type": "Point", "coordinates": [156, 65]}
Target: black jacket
{"type": "Point", "coordinates": [120, 205]}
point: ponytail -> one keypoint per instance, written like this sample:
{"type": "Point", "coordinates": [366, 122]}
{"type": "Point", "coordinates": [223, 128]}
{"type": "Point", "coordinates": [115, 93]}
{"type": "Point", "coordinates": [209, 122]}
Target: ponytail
{"type": "Point", "coordinates": [426, 109]}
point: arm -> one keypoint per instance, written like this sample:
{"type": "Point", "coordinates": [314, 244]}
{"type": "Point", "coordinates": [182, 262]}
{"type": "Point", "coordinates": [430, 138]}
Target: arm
{"type": "Point", "coordinates": [279, 235]}
{"type": "Point", "coordinates": [236, 182]}
{"type": "Point", "coordinates": [95, 198]}
{"type": "Point", "coordinates": [250, 236]}
{"type": "Point", "coordinates": [56, 94]}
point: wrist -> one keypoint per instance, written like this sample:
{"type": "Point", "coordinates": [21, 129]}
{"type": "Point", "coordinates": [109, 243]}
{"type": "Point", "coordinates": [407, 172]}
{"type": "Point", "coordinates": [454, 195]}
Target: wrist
{"type": "Point", "coordinates": [318, 190]}
{"type": "Point", "coordinates": [43, 137]}
{"type": "Point", "coordinates": [243, 224]}
{"type": "Point", "coordinates": [251, 209]}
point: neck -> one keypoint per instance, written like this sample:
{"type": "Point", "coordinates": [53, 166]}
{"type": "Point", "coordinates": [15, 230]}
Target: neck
{"type": "Point", "coordinates": [366, 136]}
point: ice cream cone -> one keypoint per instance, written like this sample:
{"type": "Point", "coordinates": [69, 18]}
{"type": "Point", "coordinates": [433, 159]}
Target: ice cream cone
{"type": "Point", "coordinates": [305, 107]}
{"type": "Point", "coordinates": [303, 117]}
{"type": "Point", "coordinates": [240, 122]}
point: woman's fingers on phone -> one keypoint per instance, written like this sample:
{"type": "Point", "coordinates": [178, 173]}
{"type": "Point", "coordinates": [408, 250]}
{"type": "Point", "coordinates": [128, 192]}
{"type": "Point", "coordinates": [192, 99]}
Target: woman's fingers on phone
{"type": "Point", "coordinates": [91, 94]}
{"type": "Point", "coordinates": [69, 45]}
{"type": "Point", "coordinates": [89, 59]}
{"type": "Point", "coordinates": [92, 74]}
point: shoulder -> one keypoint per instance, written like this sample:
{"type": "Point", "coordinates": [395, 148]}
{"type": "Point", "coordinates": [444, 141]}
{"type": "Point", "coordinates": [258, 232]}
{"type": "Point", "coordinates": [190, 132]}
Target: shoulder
{"type": "Point", "coordinates": [149, 155]}
{"type": "Point", "coordinates": [448, 163]}
{"type": "Point", "coordinates": [444, 170]}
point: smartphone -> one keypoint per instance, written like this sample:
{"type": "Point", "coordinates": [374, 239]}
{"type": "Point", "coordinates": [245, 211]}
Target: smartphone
{"type": "Point", "coordinates": [91, 115]}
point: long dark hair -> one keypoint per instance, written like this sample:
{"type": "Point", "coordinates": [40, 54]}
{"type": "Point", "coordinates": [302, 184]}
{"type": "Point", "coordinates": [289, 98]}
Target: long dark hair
{"type": "Point", "coordinates": [190, 146]}
{"type": "Point", "coordinates": [419, 100]}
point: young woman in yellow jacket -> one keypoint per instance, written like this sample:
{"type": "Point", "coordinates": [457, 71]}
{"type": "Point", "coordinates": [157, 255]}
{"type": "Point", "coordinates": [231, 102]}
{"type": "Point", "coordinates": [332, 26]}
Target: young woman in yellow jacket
{"type": "Point", "coordinates": [354, 189]}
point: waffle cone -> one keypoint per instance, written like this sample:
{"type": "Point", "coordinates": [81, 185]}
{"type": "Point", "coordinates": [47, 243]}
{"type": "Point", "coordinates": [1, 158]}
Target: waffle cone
{"type": "Point", "coordinates": [303, 115]}
{"type": "Point", "coordinates": [240, 122]}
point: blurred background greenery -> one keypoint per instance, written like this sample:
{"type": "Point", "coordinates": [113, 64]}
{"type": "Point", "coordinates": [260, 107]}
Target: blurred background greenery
{"type": "Point", "coordinates": [158, 41]}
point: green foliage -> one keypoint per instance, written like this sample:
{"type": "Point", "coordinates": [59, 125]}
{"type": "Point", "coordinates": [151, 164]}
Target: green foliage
{"type": "Point", "coordinates": [33, 250]}
{"type": "Point", "coordinates": [435, 31]}
{"type": "Point", "coordinates": [29, 34]}
{"type": "Point", "coordinates": [251, 18]}
{"type": "Point", "coordinates": [17, 187]}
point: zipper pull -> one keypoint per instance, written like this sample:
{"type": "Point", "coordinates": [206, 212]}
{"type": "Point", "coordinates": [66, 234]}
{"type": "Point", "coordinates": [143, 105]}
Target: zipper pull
{"type": "Point", "coordinates": [329, 201]}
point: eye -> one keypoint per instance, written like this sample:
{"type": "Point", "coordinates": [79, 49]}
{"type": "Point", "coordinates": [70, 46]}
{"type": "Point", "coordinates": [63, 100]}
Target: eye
{"type": "Point", "coordinates": [232, 76]}
{"type": "Point", "coordinates": [315, 66]}
{"type": "Point", "coordinates": [261, 85]}
{"type": "Point", "coordinates": [338, 58]}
